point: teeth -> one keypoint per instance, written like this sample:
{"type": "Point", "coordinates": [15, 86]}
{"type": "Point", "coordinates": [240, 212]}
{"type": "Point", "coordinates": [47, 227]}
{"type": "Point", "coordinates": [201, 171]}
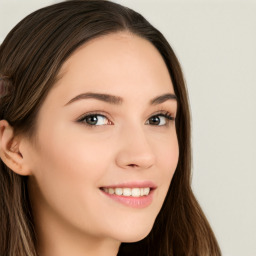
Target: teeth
{"type": "Point", "coordinates": [111, 191]}
{"type": "Point", "coordinates": [118, 191]}
{"type": "Point", "coordinates": [135, 192]}
{"type": "Point", "coordinates": [127, 192]}
{"type": "Point", "coordinates": [146, 191]}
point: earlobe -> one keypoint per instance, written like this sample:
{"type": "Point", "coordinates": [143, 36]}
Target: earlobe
{"type": "Point", "coordinates": [10, 149]}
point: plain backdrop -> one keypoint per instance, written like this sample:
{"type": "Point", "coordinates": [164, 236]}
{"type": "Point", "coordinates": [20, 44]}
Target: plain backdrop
{"type": "Point", "coordinates": [215, 41]}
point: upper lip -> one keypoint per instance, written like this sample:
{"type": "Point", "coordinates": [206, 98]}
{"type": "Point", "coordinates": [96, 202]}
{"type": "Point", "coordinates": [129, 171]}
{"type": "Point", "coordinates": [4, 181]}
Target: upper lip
{"type": "Point", "coordinates": [134, 184]}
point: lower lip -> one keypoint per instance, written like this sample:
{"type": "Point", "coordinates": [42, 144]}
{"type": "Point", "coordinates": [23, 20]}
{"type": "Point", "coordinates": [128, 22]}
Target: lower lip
{"type": "Point", "coordinates": [135, 202]}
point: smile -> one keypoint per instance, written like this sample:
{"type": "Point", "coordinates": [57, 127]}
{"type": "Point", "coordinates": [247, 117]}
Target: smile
{"type": "Point", "coordinates": [133, 192]}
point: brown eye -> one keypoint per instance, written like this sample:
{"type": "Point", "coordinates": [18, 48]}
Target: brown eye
{"type": "Point", "coordinates": [154, 120]}
{"type": "Point", "coordinates": [164, 121]}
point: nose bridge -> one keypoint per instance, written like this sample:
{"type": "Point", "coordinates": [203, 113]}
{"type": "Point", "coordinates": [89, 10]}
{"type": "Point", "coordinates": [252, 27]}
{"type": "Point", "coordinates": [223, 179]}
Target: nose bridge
{"type": "Point", "coordinates": [135, 149]}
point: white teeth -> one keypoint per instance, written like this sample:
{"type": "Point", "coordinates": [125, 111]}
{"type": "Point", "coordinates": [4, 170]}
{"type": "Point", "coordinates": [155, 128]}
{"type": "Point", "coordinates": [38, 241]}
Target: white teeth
{"type": "Point", "coordinates": [118, 191]}
{"type": "Point", "coordinates": [146, 191]}
{"type": "Point", "coordinates": [135, 192]}
{"type": "Point", "coordinates": [127, 192]}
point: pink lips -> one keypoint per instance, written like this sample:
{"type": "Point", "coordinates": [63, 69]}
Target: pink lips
{"type": "Point", "coordinates": [135, 202]}
{"type": "Point", "coordinates": [136, 184]}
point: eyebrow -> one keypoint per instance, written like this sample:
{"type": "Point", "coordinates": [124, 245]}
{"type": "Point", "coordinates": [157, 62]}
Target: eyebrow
{"type": "Point", "coordinates": [116, 100]}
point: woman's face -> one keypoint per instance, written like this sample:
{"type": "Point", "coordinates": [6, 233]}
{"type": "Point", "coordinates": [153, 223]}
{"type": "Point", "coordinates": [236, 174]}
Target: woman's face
{"type": "Point", "coordinates": [88, 146]}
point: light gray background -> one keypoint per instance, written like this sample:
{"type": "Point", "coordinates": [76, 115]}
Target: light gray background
{"type": "Point", "coordinates": [215, 41]}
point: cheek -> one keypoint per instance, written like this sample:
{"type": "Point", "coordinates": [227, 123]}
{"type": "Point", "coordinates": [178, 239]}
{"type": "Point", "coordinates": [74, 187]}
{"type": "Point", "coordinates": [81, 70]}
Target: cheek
{"type": "Point", "coordinates": [68, 171]}
{"type": "Point", "coordinates": [73, 159]}
{"type": "Point", "coordinates": [168, 156]}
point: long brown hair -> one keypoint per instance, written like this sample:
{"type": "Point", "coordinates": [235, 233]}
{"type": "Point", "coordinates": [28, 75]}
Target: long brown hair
{"type": "Point", "coordinates": [30, 59]}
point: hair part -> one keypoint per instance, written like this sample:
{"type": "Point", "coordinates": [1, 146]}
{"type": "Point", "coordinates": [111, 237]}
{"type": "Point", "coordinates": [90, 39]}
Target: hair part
{"type": "Point", "coordinates": [30, 60]}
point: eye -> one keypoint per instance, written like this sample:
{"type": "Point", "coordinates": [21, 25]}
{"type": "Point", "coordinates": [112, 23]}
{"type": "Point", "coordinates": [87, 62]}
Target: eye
{"type": "Point", "coordinates": [97, 119]}
{"type": "Point", "coordinates": [161, 119]}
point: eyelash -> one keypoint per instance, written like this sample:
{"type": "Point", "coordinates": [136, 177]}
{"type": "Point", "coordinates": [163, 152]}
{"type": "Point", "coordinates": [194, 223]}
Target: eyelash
{"type": "Point", "coordinates": [169, 118]}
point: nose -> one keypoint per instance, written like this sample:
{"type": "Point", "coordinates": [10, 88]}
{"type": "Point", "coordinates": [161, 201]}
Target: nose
{"type": "Point", "coordinates": [135, 150]}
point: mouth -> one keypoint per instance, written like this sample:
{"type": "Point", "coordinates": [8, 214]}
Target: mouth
{"type": "Point", "coordinates": [132, 192]}
{"type": "Point", "coordinates": [132, 195]}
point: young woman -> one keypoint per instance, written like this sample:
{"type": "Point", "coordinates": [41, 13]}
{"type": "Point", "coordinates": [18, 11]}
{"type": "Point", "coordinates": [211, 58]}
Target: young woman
{"type": "Point", "coordinates": [95, 138]}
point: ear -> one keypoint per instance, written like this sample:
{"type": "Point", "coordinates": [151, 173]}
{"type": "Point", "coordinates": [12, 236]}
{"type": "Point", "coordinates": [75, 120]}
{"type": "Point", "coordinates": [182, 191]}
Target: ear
{"type": "Point", "coordinates": [10, 149]}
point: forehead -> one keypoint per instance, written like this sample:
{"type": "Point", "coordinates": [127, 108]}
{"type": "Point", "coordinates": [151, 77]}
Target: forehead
{"type": "Point", "coordinates": [121, 63]}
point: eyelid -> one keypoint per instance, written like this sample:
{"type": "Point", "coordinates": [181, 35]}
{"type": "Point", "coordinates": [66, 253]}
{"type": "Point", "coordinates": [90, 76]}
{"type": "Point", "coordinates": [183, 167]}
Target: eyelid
{"type": "Point", "coordinates": [165, 111]}
{"type": "Point", "coordinates": [95, 112]}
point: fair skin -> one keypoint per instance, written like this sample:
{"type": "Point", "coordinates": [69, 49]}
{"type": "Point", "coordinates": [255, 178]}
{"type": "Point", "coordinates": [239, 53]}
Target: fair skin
{"type": "Point", "coordinates": [70, 162]}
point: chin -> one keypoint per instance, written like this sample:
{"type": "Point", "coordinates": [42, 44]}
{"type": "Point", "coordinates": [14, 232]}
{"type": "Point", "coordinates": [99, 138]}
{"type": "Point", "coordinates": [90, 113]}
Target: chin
{"type": "Point", "coordinates": [134, 234]}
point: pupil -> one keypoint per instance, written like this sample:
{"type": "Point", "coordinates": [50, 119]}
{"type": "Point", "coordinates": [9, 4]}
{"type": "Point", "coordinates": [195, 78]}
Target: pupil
{"type": "Point", "coordinates": [155, 119]}
{"type": "Point", "coordinates": [92, 119]}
